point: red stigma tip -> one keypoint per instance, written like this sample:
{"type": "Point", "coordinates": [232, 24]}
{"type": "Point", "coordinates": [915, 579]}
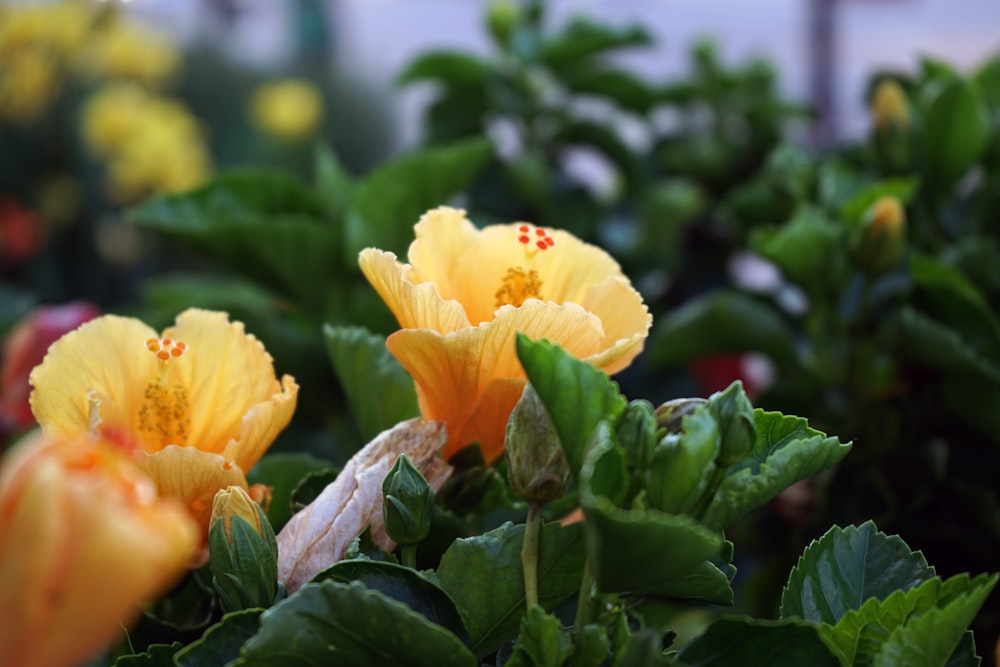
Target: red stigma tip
{"type": "Point", "coordinates": [523, 238]}
{"type": "Point", "coordinates": [549, 241]}
{"type": "Point", "coordinates": [542, 245]}
{"type": "Point", "coordinates": [523, 229]}
{"type": "Point", "coordinates": [540, 231]}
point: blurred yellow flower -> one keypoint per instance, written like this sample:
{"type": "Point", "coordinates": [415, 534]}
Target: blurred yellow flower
{"type": "Point", "coordinates": [152, 143]}
{"type": "Point", "coordinates": [28, 84]}
{"type": "Point", "coordinates": [466, 294]}
{"type": "Point", "coordinates": [198, 406]}
{"type": "Point", "coordinates": [61, 26]}
{"type": "Point", "coordinates": [131, 51]}
{"type": "Point", "coordinates": [84, 539]}
{"type": "Point", "coordinates": [889, 106]}
{"type": "Point", "coordinates": [289, 109]}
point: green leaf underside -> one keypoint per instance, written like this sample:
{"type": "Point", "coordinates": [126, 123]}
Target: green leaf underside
{"type": "Point", "coordinates": [347, 624]}
{"type": "Point", "coordinates": [738, 642]}
{"type": "Point", "coordinates": [222, 642]}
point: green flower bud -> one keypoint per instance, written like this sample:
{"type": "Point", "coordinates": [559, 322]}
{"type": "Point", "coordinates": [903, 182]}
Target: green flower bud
{"type": "Point", "coordinates": [637, 432]}
{"type": "Point", "coordinates": [880, 242]}
{"type": "Point", "coordinates": [737, 428]}
{"type": "Point", "coordinates": [243, 553]}
{"type": "Point", "coordinates": [671, 414]}
{"type": "Point", "coordinates": [536, 468]}
{"type": "Point", "coordinates": [889, 106]}
{"type": "Point", "coordinates": [501, 17]}
{"type": "Point", "coordinates": [683, 464]}
{"type": "Point", "coordinates": [407, 503]}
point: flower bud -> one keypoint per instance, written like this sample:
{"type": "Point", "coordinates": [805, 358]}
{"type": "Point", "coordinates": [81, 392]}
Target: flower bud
{"type": "Point", "coordinates": [670, 415]}
{"type": "Point", "coordinates": [84, 539]}
{"type": "Point", "coordinates": [637, 432]}
{"type": "Point", "coordinates": [536, 467]}
{"type": "Point", "coordinates": [243, 552]}
{"type": "Point", "coordinates": [880, 242]}
{"type": "Point", "coordinates": [683, 464]}
{"type": "Point", "coordinates": [737, 428]}
{"type": "Point", "coordinates": [407, 503]}
{"type": "Point", "coordinates": [501, 17]}
{"type": "Point", "coordinates": [889, 106]}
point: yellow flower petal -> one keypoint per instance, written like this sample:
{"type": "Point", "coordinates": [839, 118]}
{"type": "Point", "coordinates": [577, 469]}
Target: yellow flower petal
{"type": "Point", "coordinates": [261, 425]}
{"type": "Point", "coordinates": [492, 409]}
{"type": "Point", "coordinates": [443, 236]}
{"type": "Point", "coordinates": [453, 370]}
{"type": "Point", "coordinates": [413, 305]}
{"type": "Point", "coordinates": [106, 353]}
{"type": "Point", "coordinates": [626, 322]}
{"type": "Point", "coordinates": [192, 476]}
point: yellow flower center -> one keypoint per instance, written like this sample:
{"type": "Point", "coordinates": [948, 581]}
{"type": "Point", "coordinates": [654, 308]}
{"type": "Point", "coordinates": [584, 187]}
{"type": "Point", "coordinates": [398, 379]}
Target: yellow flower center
{"type": "Point", "coordinates": [165, 412]}
{"type": "Point", "coordinates": [520, 284]}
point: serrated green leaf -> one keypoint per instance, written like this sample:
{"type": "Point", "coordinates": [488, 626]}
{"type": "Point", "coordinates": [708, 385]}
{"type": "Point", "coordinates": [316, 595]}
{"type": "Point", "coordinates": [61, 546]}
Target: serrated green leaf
{"type": "Point", "coordinates": [734, 641]}
{"type": "Point", "coordinates": [809, 249]}
{"type": "Point", "coordinates": [717, 323]}
{"type": "Point", "coordinates": [706, 582]}
{"type": "Point", "coordinates": [156, 655]}
{"type": "Point", "coordinates": [222, 642]}
{"type": "Point", "coordinates": [965, 654]}
{"type": "Point", "coordinates": [935, 345]}
{"type": "Point", "coordinates": [859, 636]}
{"type": "Point", "coordinates": [283, 472]}
{"type": "Point", "coordinates": [542, 642]}
{"type": "Point", "coordinates": [786, 450]}
{"type": "Point", "coordinates": [840, 571]}
{"type": "Point", "coordinates": [347, 624]}
{"type": "Point", "coordinates": [592, 646]}
{"type": "Point", "coordinates": [483, 576]}
{"type": "Point", "coordinates": [380, 392]}
{"type": "Point", "coordinates": [452, 68]}
{"type": "Point", "coordinates": [390, 200]}
{"type": "Point", "coordinates": [668, 545]}
{"type": "Point", "coordinates": [402, 584]}
{"type": "Point", "coordinates": [266, 226]}
{"type": "Point", "coordinates": [576, 395]}
{"type": "Point", "coordinates": [582, 38]}
{"type": "Point", "coordinates": [931, 638]}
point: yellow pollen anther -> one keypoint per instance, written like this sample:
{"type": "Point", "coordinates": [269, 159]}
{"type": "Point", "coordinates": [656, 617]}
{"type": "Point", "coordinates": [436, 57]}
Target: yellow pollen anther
{"type": "Point", "coordinates": [518, 286]}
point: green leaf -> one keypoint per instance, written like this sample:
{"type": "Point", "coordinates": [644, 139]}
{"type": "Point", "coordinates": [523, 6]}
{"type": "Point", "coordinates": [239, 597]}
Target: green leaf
{"type": "Point", "coordinates": [731, 641]}
{"type": "Point", "coordinates": [931, 638]}
{"type": "Point", "coordinates": [706, 582]}
{"type": "Point", "coordinates": [334, 185]}
{"type": "Point", "coordinates": [583, 38]}
{"type": "Point", "coordinates": [840, 571]}
{"type": "Point", "coordinates": [283, 472]}
{"type": "Point", "coordinates": [402, 584]}
{"type": "Point", "coordinates": [861, 634]}
{"type": "Point", "coordinates": [965, 654]}
{"type": "Point", "coordinates": [718, 323]}
{"type": "Point", "coordinates": [809, 249]}
{"type": "Point", "coordinates": [576, 395]}
{"type": "Point", "coordinates": [266, 226]}
{"type": "Point", "coordinates": [645, 649]}
{"type": "Point", "coordinates": [956, 132]}
{"type": "Point", "coordinates": [667, 545]}
{"type": "Point", "coordinates": [451, 68]}
{"type": "Point", "coordinates": [347, 624]}
{"type": "Point", "coordinates": [592, 646]}
{"type": "Point", "coordinates": [222, 642]}
{"type": "Point", "coordinates": [483, 576]}
{"type": "Point", "coordinates": [932, 344]}
{"type": "Point", "coordinates": [786, 450]}
{"type": "Point", "coordinates": [380, 392]}
{"type": "Point", "coordinates": [542, 642]}
{"type": "Point", "coordinates": [156, 655]}
{"type": "Point", "coordinates": [622, 87]}
{"type": "Point", "coordinates": [390, 200]}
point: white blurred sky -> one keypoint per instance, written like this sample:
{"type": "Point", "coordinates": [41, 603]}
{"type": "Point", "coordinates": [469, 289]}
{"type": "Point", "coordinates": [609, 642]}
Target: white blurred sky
{"type": "Point", "coordinates": [376, 38]}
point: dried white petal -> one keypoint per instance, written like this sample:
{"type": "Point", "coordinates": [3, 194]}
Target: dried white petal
{"type": "Point", "coordinates": [320, 534]}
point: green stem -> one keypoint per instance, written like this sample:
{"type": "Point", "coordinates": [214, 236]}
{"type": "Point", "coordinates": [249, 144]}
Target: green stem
{"type": "Point", "coordinates": [584, 600]}
{"type": "Point", "coordinates": [409, 554]}
{"type": "Point", "coordinates": [529, 554]}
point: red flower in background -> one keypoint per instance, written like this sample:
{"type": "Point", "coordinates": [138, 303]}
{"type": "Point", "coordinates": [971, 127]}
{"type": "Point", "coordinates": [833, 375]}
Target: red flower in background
{"type": "Point", "coordinates": [24, 349]}
{"type": "Point", "coordinates": [22, 232]}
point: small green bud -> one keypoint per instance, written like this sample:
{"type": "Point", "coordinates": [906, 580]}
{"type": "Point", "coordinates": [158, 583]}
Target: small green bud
{"type": "Point", "coordinates": [536, 468]}
{"type": "Point", "coordinates": [243, 553]}
{"type": "Point", "coordinates": [737, 427]}
{"type": "Point", "coordinates": [670, 415]}
{"type": "Point", "coordinates": [407, 503]}
{"type": "Point", "coordinates": [683, 464]}
{"type": "Point", "coordinates": [637, 432]}
{"type": "Point", "coordinates": [501, 17]}
{"type": "Point", "coordinates": [880, 242]}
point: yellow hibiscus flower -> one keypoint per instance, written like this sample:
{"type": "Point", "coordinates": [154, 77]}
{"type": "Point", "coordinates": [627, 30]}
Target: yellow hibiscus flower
{"type": "Point", "coordinates": [198, 406]}
{"type": "Point", "coordinates": [83, 540]}
{"type": "Point", "coordinates": [465, 295]}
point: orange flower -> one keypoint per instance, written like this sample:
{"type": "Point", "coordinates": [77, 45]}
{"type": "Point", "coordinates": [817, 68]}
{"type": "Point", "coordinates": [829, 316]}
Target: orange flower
{"type": "Point", "coordinates": [83, 539]}
{"type": "Point", "coordinates": [466, 294]}
{"type": "Point", "coordinates": [198, 406]}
